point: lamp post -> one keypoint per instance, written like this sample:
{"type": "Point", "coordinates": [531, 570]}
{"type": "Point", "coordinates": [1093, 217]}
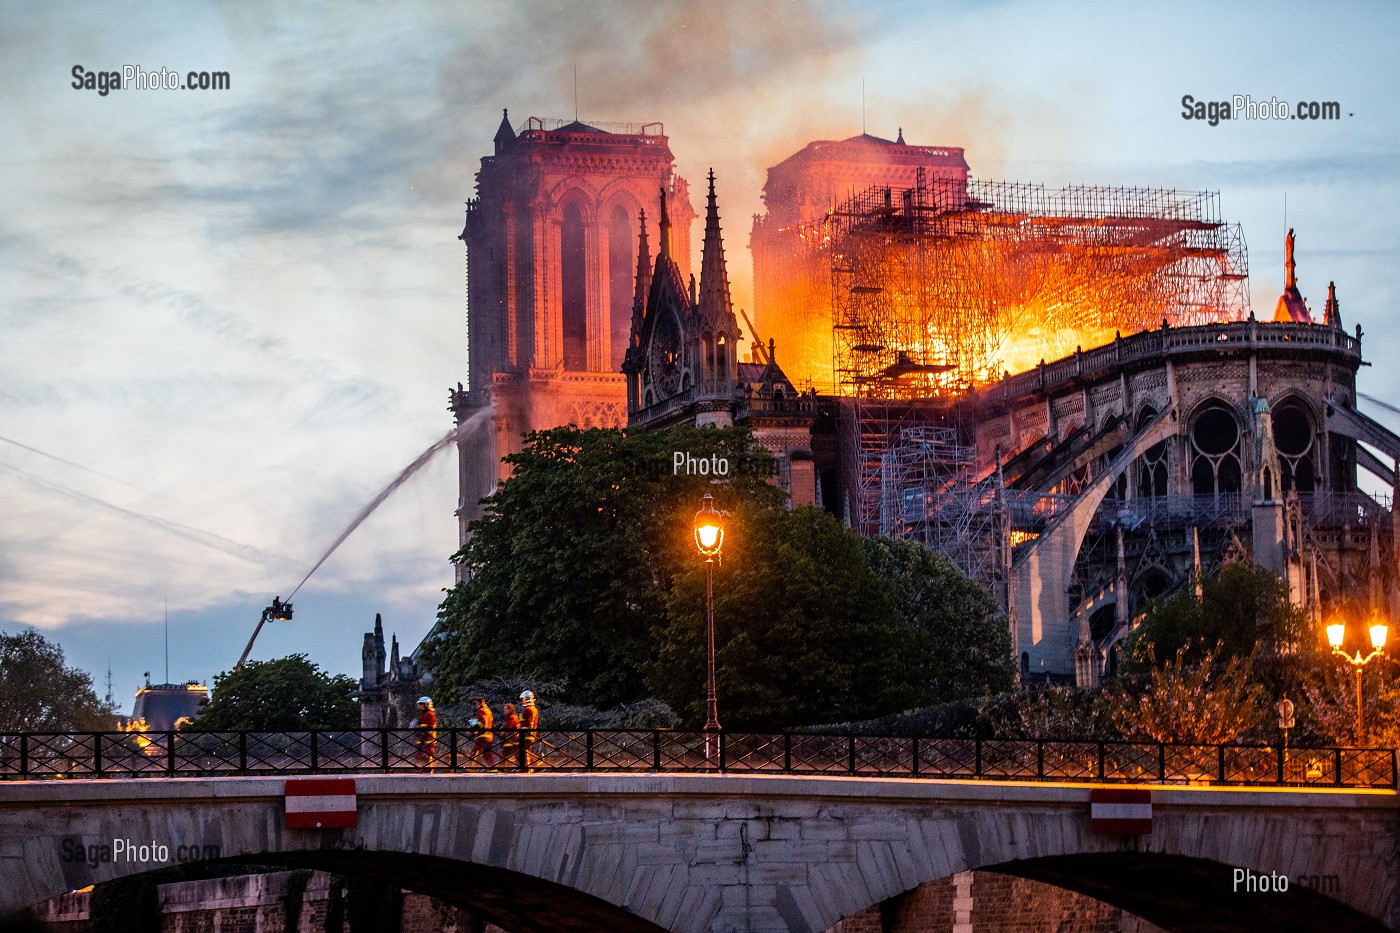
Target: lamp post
{"type": "Point", "coordinates": [279, 611]}
{"type": "Point", "coordinates": [709, 538]}
{"type": "Point", "coordinates": [1336, 634]}
{"type": "Point", "coordinates": [1284, 708]}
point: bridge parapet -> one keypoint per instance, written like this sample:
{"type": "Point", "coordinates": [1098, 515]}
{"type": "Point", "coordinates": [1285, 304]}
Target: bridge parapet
{"type": "Point", "coordinates": [34, 756]}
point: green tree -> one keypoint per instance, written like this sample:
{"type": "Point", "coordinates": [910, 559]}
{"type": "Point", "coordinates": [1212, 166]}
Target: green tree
{"type": "Point", "coordinates": [1060, 712]}
{"type": "Point", "coordinates": [1209, 701]}
{"type": "Point", "coordinates": [285, 695]}
{"type": "Point", "coordinates": [1243, 612]}
{"type": "Point", "coordinates": [805, 630]}
{"type": "Point", "coordinates": [569, 568]}
{"type": "Point", "coordinates": [961, 636]}
{"type": "Point", "coordinates": [40, 693]}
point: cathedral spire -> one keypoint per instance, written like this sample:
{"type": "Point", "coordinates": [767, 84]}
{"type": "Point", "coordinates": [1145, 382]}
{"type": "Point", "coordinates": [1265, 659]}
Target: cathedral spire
{"type": "Point", "coordinates": [643, 282]}
{"type": "Point", "coordinates": [1332, 312]}
{"type": "Point", "coordinates": [664, 246]}
{"type": "Point", "coordinates": [714, 277]}
{"type": "Point", "coordinates": [1291, 266]}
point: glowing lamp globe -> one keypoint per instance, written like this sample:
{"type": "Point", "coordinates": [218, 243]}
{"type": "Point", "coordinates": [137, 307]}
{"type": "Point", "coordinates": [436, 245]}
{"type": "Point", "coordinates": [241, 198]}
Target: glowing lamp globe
{"type": "Point", "coordinates": [1378, 634]}
{"type": "Point", "coordinates": [1336, 633]}
{"type": "Point", "coordinates": [709, 527]}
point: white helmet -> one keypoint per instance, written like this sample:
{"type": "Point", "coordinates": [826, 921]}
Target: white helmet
{"type": "Point", "coordinates": [426, 700]}
{"type": "Point", "coordinates": [527, 697]}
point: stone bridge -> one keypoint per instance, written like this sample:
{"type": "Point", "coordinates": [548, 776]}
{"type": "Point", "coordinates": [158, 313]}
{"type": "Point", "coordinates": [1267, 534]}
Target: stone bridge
{"type": "Point", "coordinates": [694, 853]}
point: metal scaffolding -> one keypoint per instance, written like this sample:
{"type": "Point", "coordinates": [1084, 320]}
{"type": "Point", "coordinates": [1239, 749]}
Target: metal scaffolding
{"type": "Point", "coordinates": [929, 492]}
{"type": "Point", "coordinates": [945, 286]}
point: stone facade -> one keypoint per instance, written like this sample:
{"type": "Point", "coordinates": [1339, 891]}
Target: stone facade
{"type": "Point", "coordinates": [388, 694]}
{"type": "Point", "coordinates": [682, 364]}
{"type": "Point", "coordinates": [1128, 469]}
{"type": "Point", "coordinates": [550, 240]}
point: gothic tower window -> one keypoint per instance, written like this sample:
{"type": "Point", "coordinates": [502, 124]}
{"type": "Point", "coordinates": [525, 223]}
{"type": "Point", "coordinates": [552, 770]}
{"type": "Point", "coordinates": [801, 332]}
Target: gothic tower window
{"type": "Point", "coordinates": [573, 289]}
{"type": "Point", "coordinates": [1293, 436]}
{"type": "Point", "coordinates": [1151, 583]}
{"type": "Point", "coordinates": [1215, 460]}
{"type": "Point", "coordinates": [1102, 623]}
{"type": "Point", "coordinates": [709, 343]}
{"type": "Point", "coordinates": [1152, 465]}
{"type": "Point", "coordinates": [619, 272]}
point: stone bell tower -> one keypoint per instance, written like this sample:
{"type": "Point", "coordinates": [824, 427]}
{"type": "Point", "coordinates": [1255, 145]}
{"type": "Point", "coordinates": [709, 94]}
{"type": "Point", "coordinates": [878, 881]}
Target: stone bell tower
{"type": "Point", "coordinates": [551, 243]}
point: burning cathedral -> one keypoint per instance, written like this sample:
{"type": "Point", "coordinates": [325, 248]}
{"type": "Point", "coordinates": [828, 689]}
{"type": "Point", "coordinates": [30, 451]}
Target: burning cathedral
{"type": "Point", "coordinates": [1064, 391]}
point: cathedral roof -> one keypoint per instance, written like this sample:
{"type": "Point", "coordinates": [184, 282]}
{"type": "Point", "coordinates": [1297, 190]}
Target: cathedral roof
{"type": "Point", "coordinates": [505, 133]}
{"type": "Point", "coordinates": [580, 127]}
{"type": "Point", "coordinates": [868, 148]}
{"type": "Point", "coordinates": [1291, 307]}
{"type": "Point", "coordinates": [768, 375]}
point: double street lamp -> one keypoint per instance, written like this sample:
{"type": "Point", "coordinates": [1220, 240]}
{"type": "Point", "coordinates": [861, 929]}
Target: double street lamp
{"type": "Point", "coordinates": [1336, 634]}
{"type": "Point", "coordinates": [709, 538]}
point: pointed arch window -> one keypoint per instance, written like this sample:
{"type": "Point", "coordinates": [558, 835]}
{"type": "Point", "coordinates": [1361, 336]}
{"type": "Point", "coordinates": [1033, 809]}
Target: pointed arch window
{"type": "Point", "coordinates": [708, 340]}
{"type": "Point", "coordinates": [573, 288]}
{"type": "Point", "coordinates": [1215, 447]}
{"type": "Point", "coordinates": [1151, 480]}
{"type": "Point", "coordinates": [1293, 437]}
{"type": "Point", "coordinates": [620, 284]}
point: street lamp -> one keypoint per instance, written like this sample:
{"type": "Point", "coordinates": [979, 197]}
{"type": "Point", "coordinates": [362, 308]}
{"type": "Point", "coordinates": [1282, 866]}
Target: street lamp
{"type": "Point", "coordinates": [1284, 708]}
{"type": "Point", "coordinates": [709, 538]}
{"type": "Point", "coordinates": [278, 611]}
{"type": "Point", "coordinates": [1336, 634]}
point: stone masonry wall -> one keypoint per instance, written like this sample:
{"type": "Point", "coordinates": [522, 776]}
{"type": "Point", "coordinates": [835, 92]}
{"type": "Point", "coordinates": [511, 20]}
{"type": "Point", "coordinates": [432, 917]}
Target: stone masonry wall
{"type": "Point", "coordinates": [987, 902]}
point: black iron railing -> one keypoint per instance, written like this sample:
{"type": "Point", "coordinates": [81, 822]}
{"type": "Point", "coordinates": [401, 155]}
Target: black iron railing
{"type": "Point", "coordinates": [33, 756]}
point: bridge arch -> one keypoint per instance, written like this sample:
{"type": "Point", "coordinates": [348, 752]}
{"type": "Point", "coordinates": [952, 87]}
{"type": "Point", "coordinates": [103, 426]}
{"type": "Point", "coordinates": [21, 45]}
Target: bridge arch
{"type": "Point", "coordinates": [1179, 892]}
{"type": "Point", "coordinates": [511, 900]}
{"type": "Point", "coordinates": [704, 853]}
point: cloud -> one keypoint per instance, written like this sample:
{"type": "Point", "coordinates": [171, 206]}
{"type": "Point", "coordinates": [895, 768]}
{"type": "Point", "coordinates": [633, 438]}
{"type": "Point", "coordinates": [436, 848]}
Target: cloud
{"type": "Point", "coordinates": [205, 538]}
{"type": "Point", "coordinates": [250, 302]}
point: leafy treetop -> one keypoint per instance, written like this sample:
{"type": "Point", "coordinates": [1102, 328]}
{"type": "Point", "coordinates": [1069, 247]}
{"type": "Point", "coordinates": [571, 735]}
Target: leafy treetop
{"type": "Point", "coordinates": [286, 694]}
{"type": "Point", "coordinates": [40, 693]}
{"type": "Point", "coordinates": [570, 565]}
